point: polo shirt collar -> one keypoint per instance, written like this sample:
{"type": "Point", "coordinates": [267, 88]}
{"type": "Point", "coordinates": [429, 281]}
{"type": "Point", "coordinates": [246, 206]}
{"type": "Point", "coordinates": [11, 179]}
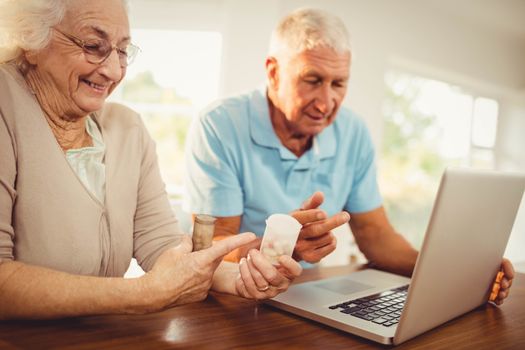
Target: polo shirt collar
{"type": "Point", "coordinates": [263, 134]}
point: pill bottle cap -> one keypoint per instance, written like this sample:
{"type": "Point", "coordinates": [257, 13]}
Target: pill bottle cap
{"type": "Point", "coordinates": [205, 219]}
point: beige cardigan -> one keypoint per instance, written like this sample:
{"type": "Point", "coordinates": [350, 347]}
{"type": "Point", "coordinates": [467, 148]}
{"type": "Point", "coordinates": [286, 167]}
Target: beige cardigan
{"type": "Point", "coordinates": [47, 216]}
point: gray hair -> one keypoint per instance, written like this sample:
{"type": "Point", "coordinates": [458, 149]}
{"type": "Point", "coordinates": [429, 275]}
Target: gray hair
{"type": "Point", "coordinates": [26, 25]}
{"type": "Point", "coordinates": [307, 29]}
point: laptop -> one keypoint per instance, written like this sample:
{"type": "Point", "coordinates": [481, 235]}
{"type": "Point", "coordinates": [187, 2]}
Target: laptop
{"type": "Point", "coordinates": [471, 221]}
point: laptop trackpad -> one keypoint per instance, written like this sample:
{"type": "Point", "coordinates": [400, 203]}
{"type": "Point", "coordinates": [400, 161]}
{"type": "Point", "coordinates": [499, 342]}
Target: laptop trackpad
{"type": "Point", "coordinates": [343, 286]}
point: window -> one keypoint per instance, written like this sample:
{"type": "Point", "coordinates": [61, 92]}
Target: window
{"type": "Point", "coordinates": [484, 122]}
{"type": "Point", "coordinates": [175, 74]}
{"type": "Point", "coordinates": [429, 125]}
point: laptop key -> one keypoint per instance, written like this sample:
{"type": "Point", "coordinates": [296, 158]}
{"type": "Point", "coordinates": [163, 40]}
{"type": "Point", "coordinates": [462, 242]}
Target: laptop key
{"type": "Point", "coordinates": [379, 320]}
{"type": "Point", "coordinates": [388, 292]}
{"type": "Point", "coordinates": [360, 313]}
{"type": "Point", "coordinates": [384, 308]}
{"type": "Point", "coordinates": [350, 305]}
{"type": "Point", "coordinates": [350, 310]}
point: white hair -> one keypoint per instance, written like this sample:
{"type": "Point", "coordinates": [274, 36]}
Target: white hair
{"type": "Point", "coordinates": [307, 29]}
{"type": "Point", "coordinates": [26, 25]}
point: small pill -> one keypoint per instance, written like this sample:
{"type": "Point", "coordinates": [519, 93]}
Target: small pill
{"type": "Point", "coordinates": [279, 247]}
{"type": "Point", "coordinates": [269, 252]}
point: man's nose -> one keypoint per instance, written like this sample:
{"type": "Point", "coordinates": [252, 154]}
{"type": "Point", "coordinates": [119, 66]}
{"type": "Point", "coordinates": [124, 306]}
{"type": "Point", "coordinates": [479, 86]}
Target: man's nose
{"type": "Point", "coordinates": [325, 99]}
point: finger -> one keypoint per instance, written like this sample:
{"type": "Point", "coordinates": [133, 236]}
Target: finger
{"type": "Point", "coordinates": [259, 279]}
{"type": "Point", "coordinates": [185, 245]}
{"type": "Point", "coordinates": [327, 249]}
{"type": "Point", "coordinates": [247, 279]}
{"type": "Point", "coordinates": [314, 201]}
{"type": "Point", "coordinates": [321, 227]}
{"type": "Point", "coordinates": [308, 216]}
{"type": "Point", "coordinates": [503, 294]}
{"type": "Point", "coordinates": [314, 256]}
{"type": "Point", "coordinates": [316, 242]}
{"type": "Point", "coordinates": [267, 270]}
{"type": "Point", "coordinates": [303, 246]}
{"type": "Point", "coordinates": [507, 268]}
{"type": "Point", "coordinates": [220, 248]}
{"type": "Point", "coordinates": [289, 267]}
{"type": "Point", "coordinates": [255, 244]}
{"type": "Point", "coordinates": [241, 288]}
{"type": "Point", "coordinates": [506, 283]}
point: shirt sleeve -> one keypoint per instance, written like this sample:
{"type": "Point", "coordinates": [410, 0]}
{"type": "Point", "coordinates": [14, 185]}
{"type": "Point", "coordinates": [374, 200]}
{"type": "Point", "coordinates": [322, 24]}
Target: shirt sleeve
{"type": "Point", "coordinates": [155, 228]}
{"type": "Point", "coordinates": [212, 182]}
{"type": "Point", "coordinates": [365, 194]}
{"type": "Point", "coordinates": [7, 191]}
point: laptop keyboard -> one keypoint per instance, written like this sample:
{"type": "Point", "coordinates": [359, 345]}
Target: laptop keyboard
{"type": "Point", "coordinates": [383, 308]}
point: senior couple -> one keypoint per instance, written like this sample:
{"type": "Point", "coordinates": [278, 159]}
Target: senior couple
{"type": "Point", "coordinates": [81, 194]}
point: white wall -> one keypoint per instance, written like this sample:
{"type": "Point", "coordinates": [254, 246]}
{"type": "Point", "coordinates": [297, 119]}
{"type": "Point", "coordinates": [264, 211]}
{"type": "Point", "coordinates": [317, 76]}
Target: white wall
{"type": "Point", "coordinates": [427, 37]}
{"type": "Point", "coordinates": [423, 36]}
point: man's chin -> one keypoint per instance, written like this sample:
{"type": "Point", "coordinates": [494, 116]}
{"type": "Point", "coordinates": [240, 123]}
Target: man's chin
{"type": "Point", "coordinates": [315, 129]}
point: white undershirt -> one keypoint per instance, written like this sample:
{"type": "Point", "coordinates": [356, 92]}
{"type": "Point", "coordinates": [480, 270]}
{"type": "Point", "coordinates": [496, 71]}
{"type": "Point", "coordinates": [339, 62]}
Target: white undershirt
{"type": "Point", "coordinates": [88, 162]}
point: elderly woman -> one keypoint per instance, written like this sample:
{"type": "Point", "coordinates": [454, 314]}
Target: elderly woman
{"type": "Point", "coordinates": [80, 190]}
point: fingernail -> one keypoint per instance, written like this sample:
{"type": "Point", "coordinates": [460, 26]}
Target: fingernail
{"type": "Point", "coordinates": [346, 216]}
{"type": "Point", "coordinates": [321, 215]}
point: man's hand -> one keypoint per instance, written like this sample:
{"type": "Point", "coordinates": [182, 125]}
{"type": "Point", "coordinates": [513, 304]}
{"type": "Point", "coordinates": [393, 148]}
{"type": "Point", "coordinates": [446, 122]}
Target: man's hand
{"type": "Point", "coordinates": [502, 283]}
{"type": "Point", "coordinates": [316, 239]}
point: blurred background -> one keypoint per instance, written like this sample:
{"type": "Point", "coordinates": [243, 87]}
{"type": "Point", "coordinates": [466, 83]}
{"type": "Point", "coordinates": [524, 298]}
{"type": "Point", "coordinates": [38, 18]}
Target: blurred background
{"type": "Point", "coordinates": [438, 82]}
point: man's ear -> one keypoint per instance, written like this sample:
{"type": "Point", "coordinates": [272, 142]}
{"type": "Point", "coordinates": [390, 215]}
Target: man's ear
{"type": "Point", "coordinates": [272, 72]}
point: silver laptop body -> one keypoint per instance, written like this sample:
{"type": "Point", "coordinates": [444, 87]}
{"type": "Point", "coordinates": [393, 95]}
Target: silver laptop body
{"type": "Point", "coordinates": [471, 221]}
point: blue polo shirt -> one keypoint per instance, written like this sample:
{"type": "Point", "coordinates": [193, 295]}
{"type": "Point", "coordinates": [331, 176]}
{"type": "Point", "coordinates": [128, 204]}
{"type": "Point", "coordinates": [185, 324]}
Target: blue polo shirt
{"type": "Point", "coordinates": [236, 165]}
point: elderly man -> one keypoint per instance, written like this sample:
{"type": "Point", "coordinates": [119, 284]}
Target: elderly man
{"type": "Point", "coordinates": [266, 151]}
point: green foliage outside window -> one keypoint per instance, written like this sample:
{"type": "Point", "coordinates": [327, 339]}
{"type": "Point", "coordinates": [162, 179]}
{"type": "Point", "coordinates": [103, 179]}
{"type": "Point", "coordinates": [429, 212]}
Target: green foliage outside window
{"type": "Point", "coordinates": [410, 163]}
{"type": "Point", "coordinates": [167, 118]}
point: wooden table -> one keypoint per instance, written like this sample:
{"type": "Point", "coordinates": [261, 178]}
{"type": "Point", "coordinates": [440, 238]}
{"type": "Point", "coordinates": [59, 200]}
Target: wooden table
{"type": "Point", "coordinates": [227, 322]}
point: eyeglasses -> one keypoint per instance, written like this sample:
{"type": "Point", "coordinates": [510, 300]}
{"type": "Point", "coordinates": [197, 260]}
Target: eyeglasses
{"type": "Point", "coordinates": [97, 51]}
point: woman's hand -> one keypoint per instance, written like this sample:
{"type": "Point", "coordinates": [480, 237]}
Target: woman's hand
{"type": "Point", "coordinates": [181, 276]}
{"type": "Point", "coordinates": [259, 279]}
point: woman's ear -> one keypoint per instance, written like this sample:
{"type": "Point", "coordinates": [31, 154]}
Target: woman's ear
{"type": "Point", "coordinates": [31, 56]}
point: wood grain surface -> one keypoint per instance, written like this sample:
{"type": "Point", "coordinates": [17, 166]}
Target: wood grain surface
{"type": "Point", "coordinates": [228, 322]}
